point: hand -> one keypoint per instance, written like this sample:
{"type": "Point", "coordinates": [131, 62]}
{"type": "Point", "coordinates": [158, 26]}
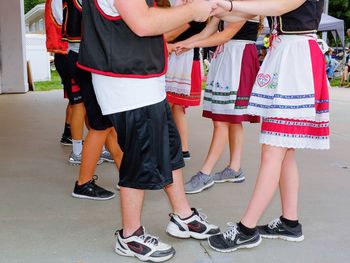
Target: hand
{"type": "Point", "coordinates": [182, 47]}
{"type": "Point", "coordinates": [171, 48]}
{"type": "Point", "coordinates": [219, 12]}
{"type": "Point", "coordinates": [202, 9]}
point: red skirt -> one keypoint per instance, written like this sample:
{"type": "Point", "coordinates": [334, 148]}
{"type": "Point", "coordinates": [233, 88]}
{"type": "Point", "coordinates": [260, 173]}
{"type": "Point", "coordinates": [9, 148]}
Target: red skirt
{"type": "Point", "coordinates": [194, 99]}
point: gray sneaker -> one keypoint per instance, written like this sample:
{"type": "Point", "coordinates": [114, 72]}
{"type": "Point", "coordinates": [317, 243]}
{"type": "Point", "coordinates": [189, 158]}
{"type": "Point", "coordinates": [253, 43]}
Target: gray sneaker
{"type": "Point", "coordinates": [198, 183]}
{"type": "Point", "coordinates": [106, 157]}
{"type": "Point", "coordinates": [229, 175]}
{"type": "Point", "coordinates": [75, 159]}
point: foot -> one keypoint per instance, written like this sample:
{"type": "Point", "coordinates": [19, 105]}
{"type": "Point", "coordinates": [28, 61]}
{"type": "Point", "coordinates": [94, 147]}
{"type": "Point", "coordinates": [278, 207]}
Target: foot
{"type": "Point", "coordinates": [195, 226]}
{"type": "Point", "coordinates": [76, 159]}
{"type": "Point", "coordinates": [198, 183]}
{"type": "Point", "coordinates": [143, 246]}
{"type": "Point", "coordinates": [233, 239]}
{"type": "Point", "coordinates": [229, 175]}
{"type": "Point", "coordinates": [92, 191]}
{"type": "Point", "coordinates": [277, 229]}
{"type": "Point", "coordinates": [66, 140]}
{"type": "Point", "coordinates": [106, 157]}
{"type": "Point", "coordinates": [186, 155]}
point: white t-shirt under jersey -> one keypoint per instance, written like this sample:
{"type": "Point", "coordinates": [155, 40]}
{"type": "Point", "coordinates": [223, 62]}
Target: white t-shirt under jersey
{"type": "Point", "coordinates": [115, 94]}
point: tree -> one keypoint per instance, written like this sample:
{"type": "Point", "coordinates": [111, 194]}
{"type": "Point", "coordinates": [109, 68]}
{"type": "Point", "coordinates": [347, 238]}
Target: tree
{"type": "Point", "coordinates": [29, 4]}
{"type": "Point", "coordinates": [340, 9]}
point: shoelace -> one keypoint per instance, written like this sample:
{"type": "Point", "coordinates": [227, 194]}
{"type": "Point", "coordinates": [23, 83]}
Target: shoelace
{"type": "Point", "coordinates": [149, 239]}
{"type": "Point", "coordinates": [202, 216]}
{"type": "Point", "coordinates": [274, 223]}
{"type": "Point", "coordinates": [231, 232]}
{"type": "Point", "coordinates": [197, 178]}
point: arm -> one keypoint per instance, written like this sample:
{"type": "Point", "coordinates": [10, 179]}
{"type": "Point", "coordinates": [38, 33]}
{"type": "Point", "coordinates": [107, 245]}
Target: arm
{"type": "Point", "coordinates": [214, 40]}
{"type": "Point", "coordinates": [170, 36]}
{"type": "Point", "coordinates": [260, 7]}
{"type": "Point", "coordinates": [149, 21]}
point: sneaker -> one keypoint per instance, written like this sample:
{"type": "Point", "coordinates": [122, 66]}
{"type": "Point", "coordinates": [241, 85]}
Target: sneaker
{"type": "Point", "coordinates": [229, 175]}
{"type": "Point", "coordinates": [186, 155]}
{"type": "Point", "coordinates": [76, 159]}
{"type": "Point", "coordinates": [117, 187]}
{"type": "Point", "coordinates": [65, 140]}
{"type": "Point", "coordinates": [195, 226]}
{"type": "Point", "coordinates": [198, 183]}
{"type": "Point", "coordinates": [106, 157]}
{"type": "Point", "coordinates": [233, 239]}
{"type": "Point", "coordinates": [91, 190]}
{"type": "Point", "coordinates": [143, 246]}
{"type": "Point", "coordinates": [277, 229]}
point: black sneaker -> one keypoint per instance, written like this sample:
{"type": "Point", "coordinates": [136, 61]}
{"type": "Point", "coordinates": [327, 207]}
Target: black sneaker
{"type": "Point", "coordinates": [233, 239]}
{"type": "Point", "coordinates": [91, 190]}
{"type": "Point", "coordinates": [186, 155]}
{"type": "Point", "coordinates": [195, 226]}
{"type": "Point", "coordinates": [65, 140]}
{"type": "Point", "coordinates": [143, 246]}
{"type": "Point", "coordinates": [277, 229]}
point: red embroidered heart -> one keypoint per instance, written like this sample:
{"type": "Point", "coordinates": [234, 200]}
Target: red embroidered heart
{"type": "Point", "coordinates": [263, 79]}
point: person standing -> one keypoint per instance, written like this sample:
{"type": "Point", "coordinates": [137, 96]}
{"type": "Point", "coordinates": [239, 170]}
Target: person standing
{"type": "Point", "coordinates": [124, 49]}
{"type": "Point", "coordinates": [291, 94]}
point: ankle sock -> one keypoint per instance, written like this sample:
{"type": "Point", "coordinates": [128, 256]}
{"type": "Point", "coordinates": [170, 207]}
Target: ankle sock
{"type": "Point", "coordinates": [290, 223]}
{"type": "Point", "coordinates": [77, 146]}
{"type": "Point", "coordinates": [67, 131]}
{"type": "Point", "coordinates": [246, 230]}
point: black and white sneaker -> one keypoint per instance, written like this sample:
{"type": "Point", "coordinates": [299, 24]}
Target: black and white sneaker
{"type": "Point", "coordinates": [186, 155]}
{"type": "Point", "coordinates": [91, 190]}
{"type": "Point", "coordinates": [233, 239]}
{"type": "Point", "coordinates": [143, 246]}
{"type": "Point", "coordinates": [277, 229]}
{"type": "Point", "coordinates": [194, 226]}
{"type": "Point", "coordinates": [66, 140]}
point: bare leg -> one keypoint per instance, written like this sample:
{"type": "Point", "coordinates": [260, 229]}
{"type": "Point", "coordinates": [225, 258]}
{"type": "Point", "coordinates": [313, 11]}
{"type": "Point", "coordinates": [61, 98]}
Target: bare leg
{"type": "Point", "coordinates": [113, 147]}
{"type": "Point", "coordinates": [266, 184]}
{"type": "Point", "coordinates": [217, 146]}
{"type": "Point", "coordinates": [131, 203]}
{"type": "Point", "coordinates": [92, 149]}
{"type": "Point", "coordinates": [68, 113]}
{"type": "Point", "coordinates": [177, 196]}
{"type": "Point", "coordinates": [181, 124]}
{"type": "Point", "coordinates": [289, 186]}
{"type": "Point", "coordinates": [77, 121]}
{"type": "Point", "coordinates": [236, 146]}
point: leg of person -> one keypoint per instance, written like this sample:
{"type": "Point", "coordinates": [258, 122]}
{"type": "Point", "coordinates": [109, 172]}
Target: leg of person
{"type": "Point", "coordinates": [245, 234]}
{"type": "Point", "coordinates": [287, 227]}
{"type": "Point", "coordinates": [77, 129]}
{"type": "Point", "coordinates": [182, 126]}
{"type": "Point", "coordinates": [233, 172]}
{"type": "Point", "coordinates": [113, 147]}
{"type": "Point", "coordinates": [184, 221]}
{"type": "Point", "coordinates": [67, 135]}
{"type": "Point", "coordinates": [140, 134]}
{"type": "Point", "coordinates": [203, 180]}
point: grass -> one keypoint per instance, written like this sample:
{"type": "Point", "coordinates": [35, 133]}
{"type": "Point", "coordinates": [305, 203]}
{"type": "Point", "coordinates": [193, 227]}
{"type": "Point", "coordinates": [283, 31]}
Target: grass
{"type": "Point", "coordinates": [54, 83]}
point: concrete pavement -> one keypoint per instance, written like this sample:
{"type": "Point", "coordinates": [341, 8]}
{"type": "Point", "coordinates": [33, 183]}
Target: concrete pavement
{"type": "Point", "coordinates": [41, 223]}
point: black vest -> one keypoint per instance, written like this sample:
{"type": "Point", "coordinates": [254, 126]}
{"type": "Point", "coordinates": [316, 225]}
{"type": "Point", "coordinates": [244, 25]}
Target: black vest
{"type": "Point", "coordinates": [109, 47]}
{"type": "Point", "coordinates": [195, 28]}
{"type": "Point", "coordinates": [249, 31]}
{"type": "Point", "coordinates": [71, 26]}
{"type": "Point", "coordinates": [303, 20]}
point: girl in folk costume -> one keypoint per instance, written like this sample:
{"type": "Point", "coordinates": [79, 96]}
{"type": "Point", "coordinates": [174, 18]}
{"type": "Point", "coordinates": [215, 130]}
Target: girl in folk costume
{"type": "Point", "coordinates": [230, 80]}
{"type": "Point", "coordinates": [183, 78]}
{"type": "Point", "coordinates": [291, 94]}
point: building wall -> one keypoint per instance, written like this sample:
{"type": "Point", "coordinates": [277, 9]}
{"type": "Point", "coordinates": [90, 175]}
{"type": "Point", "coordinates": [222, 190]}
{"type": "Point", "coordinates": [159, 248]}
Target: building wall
{"type": "Point", "coordinates": [13, 69]}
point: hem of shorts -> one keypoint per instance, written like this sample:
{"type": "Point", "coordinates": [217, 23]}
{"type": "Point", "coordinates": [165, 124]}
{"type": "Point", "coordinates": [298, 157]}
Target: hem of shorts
{"type": "Point", "coordinates": [236, 119]}
{"type": "Point", "coordinates": [75, 102]}
{"type": "Point", "coordinates": [178, 165]}
{"type": "Point", "coordinates": [147, 186]}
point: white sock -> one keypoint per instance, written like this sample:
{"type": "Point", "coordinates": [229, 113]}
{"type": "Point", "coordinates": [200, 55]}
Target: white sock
{"type": "Point", "coordinates": [77, 146]}
{"type": "Point", "coordinates": [103, 148]}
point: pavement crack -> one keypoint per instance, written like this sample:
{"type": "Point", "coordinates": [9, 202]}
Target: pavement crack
{"type": "Point", "coordinates": [206, 251]}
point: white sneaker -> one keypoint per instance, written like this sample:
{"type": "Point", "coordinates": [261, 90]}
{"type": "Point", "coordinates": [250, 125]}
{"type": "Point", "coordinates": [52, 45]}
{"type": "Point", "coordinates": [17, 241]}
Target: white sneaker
{"type": "Point", "coordinates": [195, 226]}
{"type": "Point", "coordinates": [143, 246]}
